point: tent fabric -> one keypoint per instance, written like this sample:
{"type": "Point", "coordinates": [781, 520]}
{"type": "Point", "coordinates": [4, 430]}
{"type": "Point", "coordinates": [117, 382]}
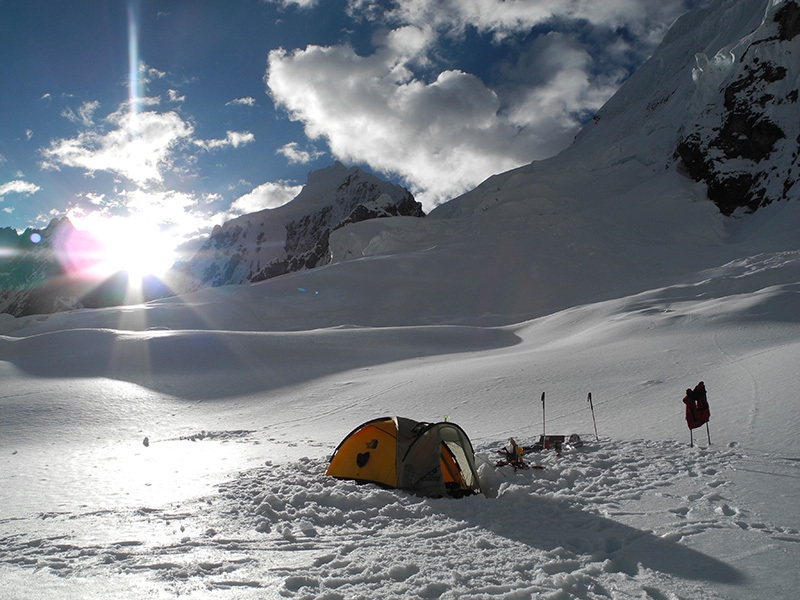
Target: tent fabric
{"type": "Point", "coordinates": [430, 459]}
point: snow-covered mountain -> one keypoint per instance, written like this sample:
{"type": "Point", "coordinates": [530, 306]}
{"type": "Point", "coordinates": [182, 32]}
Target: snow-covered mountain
{"type": "Point", "coordinates": [744, 144]}
{"type": "Point", "coordinates": [39, 270]}
{"type": "Point", "coordinates": [295, 236]}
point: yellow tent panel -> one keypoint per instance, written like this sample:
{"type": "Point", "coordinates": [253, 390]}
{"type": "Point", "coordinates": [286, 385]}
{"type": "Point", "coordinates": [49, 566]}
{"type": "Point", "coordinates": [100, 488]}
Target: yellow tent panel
{"type": "Point", "coordinates": [370, 454]}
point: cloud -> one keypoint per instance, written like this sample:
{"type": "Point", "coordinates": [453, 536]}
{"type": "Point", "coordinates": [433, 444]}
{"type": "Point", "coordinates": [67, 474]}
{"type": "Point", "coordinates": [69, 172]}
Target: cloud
{"type": "Point", "coordinates": [441, 137]}
{"type": "Point", "coordinates": [232, 139]}
{"type": "Point", "coordinates": [298, 3]}
{"type": "Point", "coordinates": [18, 187]}
{"type": "Point", "coordinates": [175, 96]}
{"type": "Point", "coordinates": [267, 195]}
{"type": "Point", "coordinates": [299, 157]}
{"type": "Point", "coordinates": [247, 101]}
{"type": "Point", "coordinates": [84, 115]}
{"type": "Point", "coordinates": [407, 110]}
{"type": "Point", "coordinates": [137, 146]}
{"type": "Point", "coordinates": [502, 18]}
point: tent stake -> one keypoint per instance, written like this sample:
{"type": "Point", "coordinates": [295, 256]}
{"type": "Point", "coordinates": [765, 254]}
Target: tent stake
{"type": "Point", "coordinates": [591, 406]}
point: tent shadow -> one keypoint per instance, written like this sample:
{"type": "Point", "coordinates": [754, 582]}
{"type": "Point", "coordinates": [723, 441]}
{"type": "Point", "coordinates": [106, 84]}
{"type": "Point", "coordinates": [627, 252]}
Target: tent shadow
{"type": "Point", "coordinates": [551, 524]}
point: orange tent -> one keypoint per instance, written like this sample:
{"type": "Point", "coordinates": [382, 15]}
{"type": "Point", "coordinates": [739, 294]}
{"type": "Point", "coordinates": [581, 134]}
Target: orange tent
{"type": "Point", "coordinates": [430, 459]}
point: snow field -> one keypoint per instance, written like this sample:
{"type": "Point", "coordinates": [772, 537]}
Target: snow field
{"type": "Point", "coordinates": [575, 529]}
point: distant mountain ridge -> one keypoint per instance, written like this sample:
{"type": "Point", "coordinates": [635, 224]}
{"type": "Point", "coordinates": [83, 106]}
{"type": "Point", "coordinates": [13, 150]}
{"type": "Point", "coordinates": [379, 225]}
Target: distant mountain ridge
{"type": "Point", "coordinates": [295, 236]}
{"type": "Point", "coordinates": [41, 270]}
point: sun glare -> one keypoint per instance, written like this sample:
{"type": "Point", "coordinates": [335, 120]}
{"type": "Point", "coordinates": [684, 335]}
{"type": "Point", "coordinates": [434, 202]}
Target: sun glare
{"type": "Point", "coordinates": [127, 244]}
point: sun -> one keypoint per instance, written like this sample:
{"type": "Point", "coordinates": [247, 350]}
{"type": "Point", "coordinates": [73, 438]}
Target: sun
{"type": "Point", "coordinates": [133, 245]}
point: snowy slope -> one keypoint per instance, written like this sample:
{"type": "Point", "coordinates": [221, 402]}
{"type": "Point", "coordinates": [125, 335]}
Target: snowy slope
{"type": "Point", "coordinates": [584, 273]}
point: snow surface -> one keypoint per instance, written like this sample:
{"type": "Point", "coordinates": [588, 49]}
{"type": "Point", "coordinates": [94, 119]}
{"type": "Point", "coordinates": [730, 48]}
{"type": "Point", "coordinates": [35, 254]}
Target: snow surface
{"type": "Point", "coordinates": [178, 448]}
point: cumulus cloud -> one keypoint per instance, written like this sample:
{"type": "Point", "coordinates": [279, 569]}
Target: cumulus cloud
{"type": "Point", "coordinates": [84, 115]}
{"type": "Point", "coordinates": [501, 18]}
{"type": "Point", "coordinates": [247, 101]}
{"type": "Point", "coordinates": [296, 156]}
{"type": "Point", "coordinates": [267, 195]}
{"type": "Point", "coordinates": [232, 139]}
{"type": "Point", "coordinates": [18, 186]}
{"type": "Point", "coordinates": [175, 96]}
{"type": "Point", "coordinates": [444, 130]}
{"type": "Point", "coordinates": [135, 145]}
{"type": "Point", "coordinates": [298, 3]}
{"type": "Point", "coordinates": [442, 137]}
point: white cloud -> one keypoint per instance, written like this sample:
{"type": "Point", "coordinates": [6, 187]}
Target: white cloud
{"type": "Point", "coordinates": [442, 137]}
{"type": "Point", "coordinates": [299, 157]}
{"type": "Point", "coordinates": [502, 18]}
{"type": "Point", "coordinates": [232, 139]}
{"type": "Point", "coordinates": [564, 91]}
{"type": "Point", "coordinates": [137, 146]}
{"type": "Point", "coordinates": [175, 96]}
{"type": "Point", "coordinates": [267, 195]}
{"type": "Point", "coordinates": [18, 187]}
{"type": "Point", "coordinates": [247, 101]}
{"type": "Point", "coordinates": [84, 115]}
{"type": "Point", "coordinates": [445, 131]}
{"type": "Point", "coordinates": [298, 3]}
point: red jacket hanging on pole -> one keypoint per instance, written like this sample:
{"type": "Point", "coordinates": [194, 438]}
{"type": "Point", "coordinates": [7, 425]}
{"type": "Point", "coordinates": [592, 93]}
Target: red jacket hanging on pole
{"type": "Point", "coordinates": [697, 411]}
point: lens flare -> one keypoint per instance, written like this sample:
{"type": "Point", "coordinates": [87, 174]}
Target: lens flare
{"type": "Point", "coordinates": [134, 81]}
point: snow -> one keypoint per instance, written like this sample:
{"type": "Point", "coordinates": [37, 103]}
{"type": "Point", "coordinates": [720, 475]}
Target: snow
{"type": "Point", "coordinates": [229, 497]}
{"type": "Point", "coordinates": [178, 448]}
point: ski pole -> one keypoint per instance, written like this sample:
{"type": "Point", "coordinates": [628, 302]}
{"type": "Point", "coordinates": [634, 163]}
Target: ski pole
{"type": "Point", "coordinates": [708, 431]}
{"type": "Point", "coordinates": [544, 437]}
{"type": "Point", "coordinates": [591, 406]}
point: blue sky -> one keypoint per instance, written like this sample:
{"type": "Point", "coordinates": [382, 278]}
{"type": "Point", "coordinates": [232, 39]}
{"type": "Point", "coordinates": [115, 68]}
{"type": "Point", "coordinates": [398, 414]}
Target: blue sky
{"type": "Point", "coordinates": [173, 116]}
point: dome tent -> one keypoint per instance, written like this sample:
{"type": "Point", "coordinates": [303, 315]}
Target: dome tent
{"type": "Point", "coordinates": [429, 459]}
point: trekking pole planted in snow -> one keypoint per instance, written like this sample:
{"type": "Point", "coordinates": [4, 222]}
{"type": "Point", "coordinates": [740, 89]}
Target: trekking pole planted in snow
{"type": "Point", "coordinates": [544, 438]}
{"type": "Point", "coordinates": [591, 407]}
{"type": "Point", "coordinates": [708, 431]}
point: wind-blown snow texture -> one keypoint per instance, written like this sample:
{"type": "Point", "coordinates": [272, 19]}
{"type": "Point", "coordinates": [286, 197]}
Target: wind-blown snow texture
{"type": "Point", "coordinates": [595, 271]}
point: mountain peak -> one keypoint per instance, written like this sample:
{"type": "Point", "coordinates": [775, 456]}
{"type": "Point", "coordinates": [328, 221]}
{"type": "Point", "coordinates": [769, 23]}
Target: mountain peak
{"type": "Point", "coordinates": [294, 236]}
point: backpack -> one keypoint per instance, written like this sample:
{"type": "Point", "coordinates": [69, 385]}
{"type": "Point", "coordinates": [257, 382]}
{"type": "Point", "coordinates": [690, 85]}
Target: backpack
{"type": "Point", "coordinates": [697, 411]}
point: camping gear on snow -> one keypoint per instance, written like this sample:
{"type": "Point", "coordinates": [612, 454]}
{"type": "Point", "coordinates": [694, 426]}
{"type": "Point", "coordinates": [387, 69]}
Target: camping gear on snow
{"type": "Point", "coordinates": [512, 455]}
{"type": "Point", "coordinates": [429, 459]}
{"type": "Point", "coordinates": [512, 452]}
{"type": "Point", "coordinates": [698, 412]}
